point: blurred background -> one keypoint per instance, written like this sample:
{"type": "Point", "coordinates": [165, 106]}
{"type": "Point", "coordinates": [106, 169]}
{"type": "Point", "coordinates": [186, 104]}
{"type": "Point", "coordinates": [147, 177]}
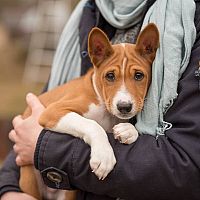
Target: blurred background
{"type": "Point", "coordinates": [29, 33]}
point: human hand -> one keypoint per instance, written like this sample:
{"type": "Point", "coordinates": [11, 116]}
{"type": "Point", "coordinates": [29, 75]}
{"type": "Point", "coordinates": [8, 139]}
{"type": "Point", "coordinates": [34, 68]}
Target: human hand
{"type": "Point", "coordinates": [26, 132]}
{"type": "Point", "coordinates": [16, 195]}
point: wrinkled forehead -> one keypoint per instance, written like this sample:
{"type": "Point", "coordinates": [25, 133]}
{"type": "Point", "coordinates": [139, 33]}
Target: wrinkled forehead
{"type": "Point", "coordinates": [124, 52]}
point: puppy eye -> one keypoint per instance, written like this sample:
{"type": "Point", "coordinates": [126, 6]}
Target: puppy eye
{"type": "Point", "coordinates": [110, 76]}
{"type": "Point", "coordinates": [138, 76]}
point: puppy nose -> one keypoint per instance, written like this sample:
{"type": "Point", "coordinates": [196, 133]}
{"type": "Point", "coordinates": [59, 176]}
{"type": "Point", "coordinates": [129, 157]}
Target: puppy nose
{"type": "Point", "coordinates": [124, 107]}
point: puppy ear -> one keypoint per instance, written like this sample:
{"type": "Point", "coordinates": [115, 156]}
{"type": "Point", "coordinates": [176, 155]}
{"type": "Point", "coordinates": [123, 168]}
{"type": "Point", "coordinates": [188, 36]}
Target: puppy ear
{"type": "Point", "coordinates": [99, 46]}
{"type": "Point", "coordinates": [148, 42]}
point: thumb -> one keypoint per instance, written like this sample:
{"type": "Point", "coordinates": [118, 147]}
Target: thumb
{"type": "Point", "coordinates": [34, 103]}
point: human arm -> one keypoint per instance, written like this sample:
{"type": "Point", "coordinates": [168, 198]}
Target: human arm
{"type": "Point", "coordinates": [9, 173]}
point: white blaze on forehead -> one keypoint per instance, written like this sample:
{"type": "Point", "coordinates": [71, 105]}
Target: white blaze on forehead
{"type": "Point", "coordinates": [124, 63]}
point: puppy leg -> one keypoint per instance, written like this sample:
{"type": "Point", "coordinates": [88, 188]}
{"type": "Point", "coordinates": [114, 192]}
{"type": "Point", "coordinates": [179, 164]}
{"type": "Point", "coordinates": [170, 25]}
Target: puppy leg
{"type": "Point", "coordinates": [102, 156]}
{"type": "Point", "coordinates": [28, 181]}
{"type": "Point", "coordinates": [125, 132]}
{"type": "Point", "coordinates": [71, 195]}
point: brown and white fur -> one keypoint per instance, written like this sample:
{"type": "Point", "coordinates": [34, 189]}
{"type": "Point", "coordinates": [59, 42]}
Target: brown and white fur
{"type": "Point", "coordinates": [102, 100]}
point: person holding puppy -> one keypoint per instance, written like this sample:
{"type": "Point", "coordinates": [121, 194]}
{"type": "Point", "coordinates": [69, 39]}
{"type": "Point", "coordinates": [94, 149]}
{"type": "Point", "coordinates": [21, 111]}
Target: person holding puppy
{"type": "Point", "coordinates": [162, 167]}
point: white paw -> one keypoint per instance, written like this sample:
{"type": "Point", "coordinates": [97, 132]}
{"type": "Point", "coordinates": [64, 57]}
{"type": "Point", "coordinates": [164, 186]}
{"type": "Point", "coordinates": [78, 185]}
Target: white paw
{"type": "Point", "coordinates": [125, 132]}
{"type": "Point", "coordinates": [102, 160]}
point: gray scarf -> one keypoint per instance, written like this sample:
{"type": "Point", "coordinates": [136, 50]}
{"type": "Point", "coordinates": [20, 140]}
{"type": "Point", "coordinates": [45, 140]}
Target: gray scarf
{"type": "Point", "coordinates": [175, 21]}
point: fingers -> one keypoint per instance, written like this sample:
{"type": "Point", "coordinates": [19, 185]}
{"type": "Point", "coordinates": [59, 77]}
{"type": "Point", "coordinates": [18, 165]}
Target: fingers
{"type": "Point", "coordinates": [34, 104]}
{"type": "Point", "coordinates": [17, 120]}
{"type": "Point", "coordinates": [12, 135]}
{"type": "Point", "coordinates": [15, 148]}
{"type": "Point", "coordinates": [13, 138]}
{"type": "Point", "coordinates": [20, 158]}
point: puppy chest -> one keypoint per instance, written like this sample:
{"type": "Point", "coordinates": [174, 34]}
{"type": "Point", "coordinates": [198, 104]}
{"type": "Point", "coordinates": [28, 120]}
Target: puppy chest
{"type": "Point", "coordinates": [100, 114]}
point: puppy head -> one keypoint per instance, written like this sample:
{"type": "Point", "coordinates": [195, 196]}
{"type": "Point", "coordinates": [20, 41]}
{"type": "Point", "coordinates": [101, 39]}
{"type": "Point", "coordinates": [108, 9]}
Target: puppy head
{"type": "Point", "coordinates": [123, 71]}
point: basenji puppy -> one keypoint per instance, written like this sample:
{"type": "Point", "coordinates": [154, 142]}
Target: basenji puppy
{"type": "Point", "coordinates": [101, 101]}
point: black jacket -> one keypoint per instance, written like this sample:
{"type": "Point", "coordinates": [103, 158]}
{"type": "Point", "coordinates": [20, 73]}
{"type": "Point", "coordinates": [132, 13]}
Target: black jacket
{"type": "Point", "coordinates": [166, 168]}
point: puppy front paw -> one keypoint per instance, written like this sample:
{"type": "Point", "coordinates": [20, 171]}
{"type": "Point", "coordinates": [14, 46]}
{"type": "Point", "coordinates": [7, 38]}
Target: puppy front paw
{"type": "Point", "coordinates": [102, 160]}
{"type": "Point", "coordinates": [125, 132]}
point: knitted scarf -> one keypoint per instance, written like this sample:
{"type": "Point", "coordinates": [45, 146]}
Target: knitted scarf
{"type": "Point", "coordinates": [175, 21]}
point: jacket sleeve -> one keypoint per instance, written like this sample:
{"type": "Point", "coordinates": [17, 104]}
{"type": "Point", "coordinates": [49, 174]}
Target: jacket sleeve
{"type": "Point", "coordinates": [9, 175]}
